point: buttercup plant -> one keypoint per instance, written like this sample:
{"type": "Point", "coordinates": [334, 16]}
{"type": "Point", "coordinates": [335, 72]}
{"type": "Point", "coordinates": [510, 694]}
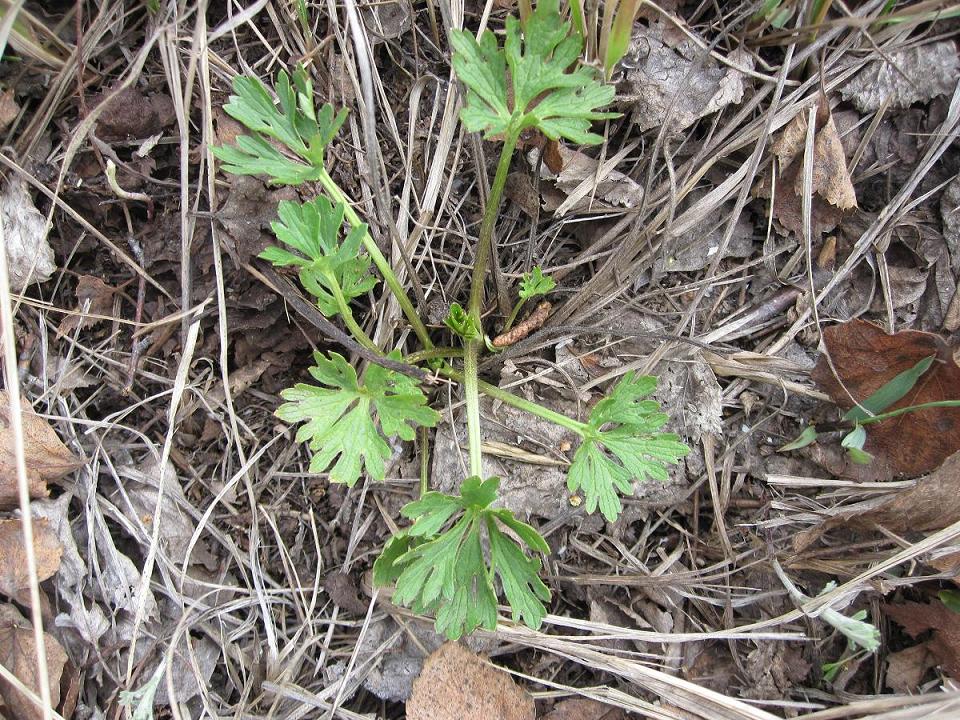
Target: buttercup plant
{"type": "Point", "coordinates": [459, 548]}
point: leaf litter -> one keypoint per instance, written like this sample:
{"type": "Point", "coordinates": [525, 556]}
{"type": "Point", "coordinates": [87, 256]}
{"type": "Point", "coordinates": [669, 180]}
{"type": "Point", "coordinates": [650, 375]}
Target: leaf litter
{"type": "Point", "coordinates": [860, 358]}
{"type": "Point", "coordinates": [456, 684]}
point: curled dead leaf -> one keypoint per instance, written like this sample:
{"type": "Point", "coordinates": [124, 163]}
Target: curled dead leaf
{"type": "Point", "coordinates": [456, 684]}
{"type": "Point", "coordinates": [47, 458]}
{"type": "Point", "coordinates": [864, 358]}
{"type": "Point", "coordinates": [832, 186]}
{"type": "Point", "coordinates": [14, 577]}
{"type": "Point", "coordinates": [94, 303]}
{"type": "Point", "coordinates": [18, 653]}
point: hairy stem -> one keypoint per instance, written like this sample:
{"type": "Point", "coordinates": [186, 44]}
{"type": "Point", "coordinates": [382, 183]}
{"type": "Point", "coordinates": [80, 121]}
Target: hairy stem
{"type": "Point", "coordinates": [471, 392]}
{"type": "Point", "coordinates": [481, 260]}
{"type": "Point", "coordinates": [380, 261]}
{"type": "Point", "coordinates": [432, 354]}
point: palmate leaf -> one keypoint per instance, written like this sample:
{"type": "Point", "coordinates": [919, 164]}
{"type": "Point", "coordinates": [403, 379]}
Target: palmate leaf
{"type": "Point", "coordinates": [312, 229]}
{"type": "Point", "coordinates": [292, 121]}
{"type": "Point", "coordinates": [528, 82]}
{"type": "Point", "coordinates": [622, 445]}
{"type": "Point", "coordinates": [338, 416]}
{"type": "Point", "coordinates": [535, 283]}
{"type": "Point", "coordinates": [445, 572]}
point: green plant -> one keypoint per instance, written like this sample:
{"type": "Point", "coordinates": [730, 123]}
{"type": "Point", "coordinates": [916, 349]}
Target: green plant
{"type": "Point", "coordinates": [533, 284]}
{"type": "Point", "coordinates": [607, 35]}
{"type": "Point", "coordinates": [459, 548]}
{"type": "Point", "coordinates": [871, 411]}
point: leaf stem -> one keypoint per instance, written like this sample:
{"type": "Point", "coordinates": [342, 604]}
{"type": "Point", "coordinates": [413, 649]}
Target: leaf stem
{"type": "Point", "coordinates": [513, 315]}
{"type": "Point", "coordinates": [508, 398]}
{"type": "Point", "coordinates": [485, 239]}
{"type": "Point", "coordinates": [347, 314]}
{"type": "Point", "coordinates": [380, 261]}
{"type": "Point", "coordinates": [481, 260]}
{"type": "Point", "coordinates": [432, 354]}
{"type": "Point", "coordinates": [904, 410]}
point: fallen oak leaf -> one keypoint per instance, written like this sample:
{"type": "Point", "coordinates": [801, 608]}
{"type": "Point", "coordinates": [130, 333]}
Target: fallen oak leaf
{"type": "Point", "coordinates": [18, 653]}
{"type": "Point", "coordinates": [917, 618]}
{"type": "Point", "coordinates": [45, 455]}
{"type": "Point", "coordinates": [864, 358]}
{"type": "Point", "coordinates": [456, 684]}
{"type": "Point", "coordinates": [14, 576]}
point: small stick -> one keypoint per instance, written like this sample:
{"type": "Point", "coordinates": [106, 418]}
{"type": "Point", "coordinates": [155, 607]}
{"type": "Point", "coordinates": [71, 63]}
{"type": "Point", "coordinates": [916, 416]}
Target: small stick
{"type": "Point", "coordinates": [534, 321]}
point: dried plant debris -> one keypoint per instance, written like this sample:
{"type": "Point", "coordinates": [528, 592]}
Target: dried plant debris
{"type": "Point", "coordinates": [903, 77]}
{"type": "Point", "coordinates": [906, 668]}
{"type": "Point", "coordinates": [696, 248]}
{"type": "Point", "coordinates": [29, 255]}
{"type": "Point", "coordinates": [94, 305]}
{"type": "Point", "coordinates": [398, 656]}
{"type": "Point", "coordinates": [833, 191]}
{"type": "Point", "coordinates": [524, 451]}
{"type": "Point", "coordinates": [950, 213]}
{"type": "Point", "coordinates": [918, 618]}
{"type": "Point", "coordinates": [46, 457]}
{"type": "Point", "coordinates": [80, 623]}
{"type": "Point", "coordinates": [584, 709]}
{"type": "Point", "coordinates": [676, 84]}
{"type": "Point", "coordinates": [932, 504]}
{"type": "Point", "coordinates": [14, 575]}
{"type": "Point", "coordinates": [862, 359]}
{"type": "Point", "coordinates": [571, 168]}
{"type": "Point", "coordinates": [387, 20]}
{"type": "Point", "coordinates": [18, 653]}
{"type": "Point", "coordinates": [138, 501]}
{"type": "Point", "coordinates": [456, 684]}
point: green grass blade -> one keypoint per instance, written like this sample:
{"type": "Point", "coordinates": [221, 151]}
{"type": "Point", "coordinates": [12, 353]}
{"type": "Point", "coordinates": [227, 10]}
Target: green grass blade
{"type": "Point", "coordinates": [890, 393]}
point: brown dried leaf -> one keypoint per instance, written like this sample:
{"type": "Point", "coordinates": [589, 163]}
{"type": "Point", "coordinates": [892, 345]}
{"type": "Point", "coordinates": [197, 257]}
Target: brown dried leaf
{"type": "Point", "coordinates": [100, 297]}
{"type": "Point", "coordinates": [833, 189]}
{"type": "Point", "coordinates": [18, 653]}
{"type": "Point", "coordinates": [9, 109]}
{"type": "Point", "coordinates": [457, 685]}
{"type": "Point", "coordinates": [47, 458]}
{"type": "Point", "coordinates": [905, 669]}
{"type": "Point", "coordinates": [865, 358]}
{"type": "Point", "coordinates": [14, 577]}
{"type": "Point", "coordinates": [584, 709]}
{"type": "Point", "coordinates": [917, 618]}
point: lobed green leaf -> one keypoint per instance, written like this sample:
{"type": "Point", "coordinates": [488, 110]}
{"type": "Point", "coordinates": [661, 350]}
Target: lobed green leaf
{"type": "Point", "coordinates": [292, 121]}
{"type": "Point", "coordinates": [622, 445]}
{"type": "Point", "coordinates": [338, 416]}
{"type": "Point", "coordinates": [529, 83]}
{"type": "Point", "coordinates": [439, 566]}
